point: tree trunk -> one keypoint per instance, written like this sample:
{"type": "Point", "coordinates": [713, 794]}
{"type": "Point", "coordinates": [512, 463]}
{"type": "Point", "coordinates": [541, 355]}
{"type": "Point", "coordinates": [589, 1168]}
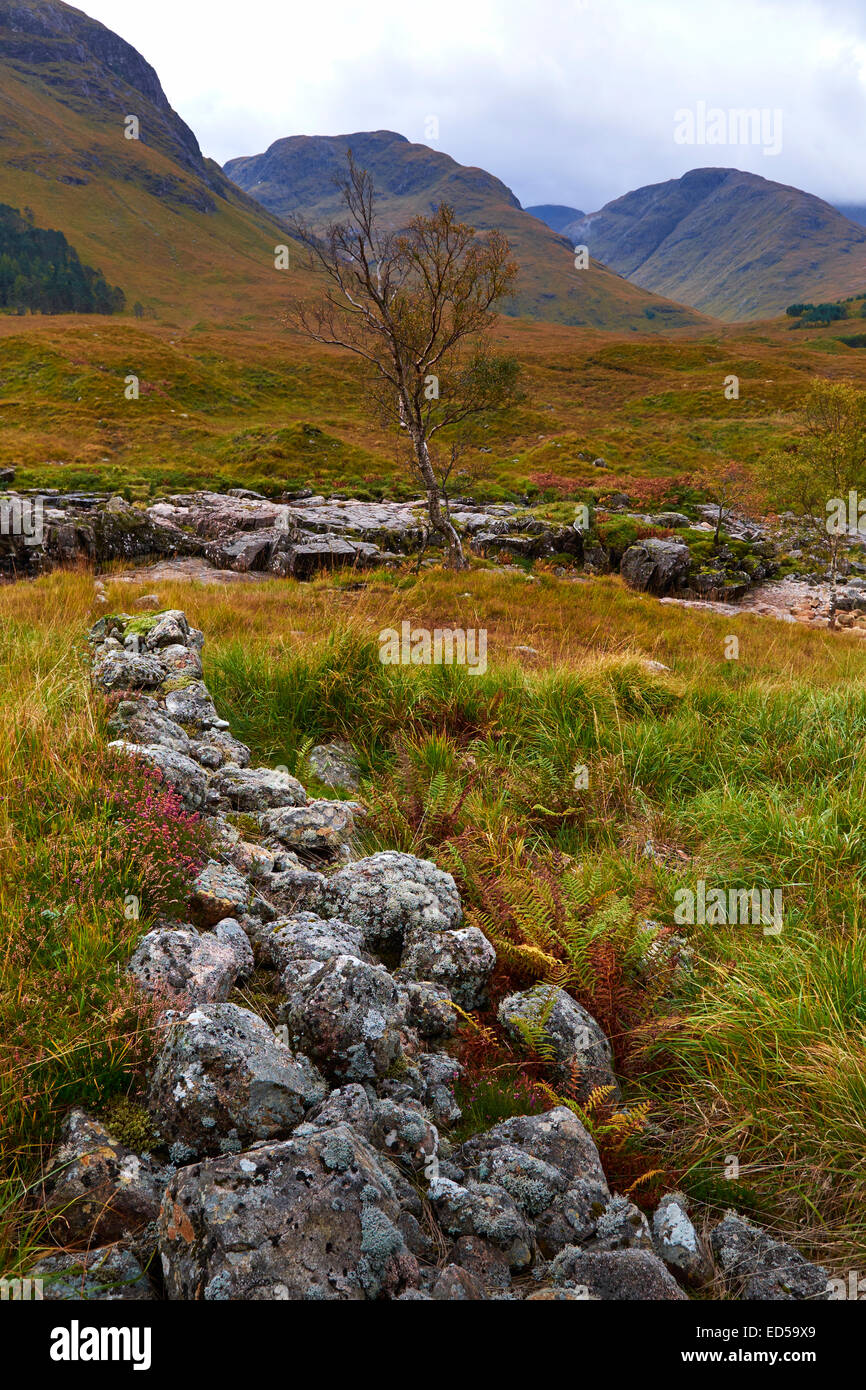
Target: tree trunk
{"type": "Point", "coordinates": [439, 518]}
{"type": "Point", "coordinates": [834, 561]}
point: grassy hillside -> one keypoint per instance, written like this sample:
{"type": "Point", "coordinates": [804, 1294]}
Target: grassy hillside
{"type": "Point", "coordinates": [732, 244]}
{"type": "Point", "coordinates": [260, 408]}
{"type": "Point", "coordinates": [296, 177]}
{"type": "Point", "coordinates": [154, 216]}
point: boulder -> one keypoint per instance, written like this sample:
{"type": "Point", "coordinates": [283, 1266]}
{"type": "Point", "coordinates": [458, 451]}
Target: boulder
{"type": "Point", "coordinates": [259, 788]}
{"type": "Point", "coordinates": [388, 894]}
{"type": "Point", "coordinates": [178, 771]}
{"type": "Point", "coordinates": [322, 828]}
{"type": "Point", "coordinates": [655, 565]}
{"type": "Point", "coordinates": [580, 1050]}
{"type": "Point", "coordinates": [143, 722]}
{"type": "Point", "coordinates": [222, 1080]}
{"type": "Point", "coordinates": [756, 1266]}
{"type": "Point", "coordinates": [183, 965]}
{"type": "Point", "coordinates": [219, 891]}
{"type": "Point", "coordinates": [120, 670]}
{"type": "Point", "coordinates": [678, 1243]}
{"type": "Point", "coordinates": [96, 1188]}
{"type": "Point", "coordinates": [462, 961]}
{"type": "Point", "coordinates": [488, 1212]}
{"type": "Point", "coordinates": [615, 1275]}
{"type": "Point", "coordinates": [313, 1217]}
{"type": "Point", "coordinates": [347, 1015]}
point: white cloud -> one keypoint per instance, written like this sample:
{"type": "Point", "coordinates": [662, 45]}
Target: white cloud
{"type": "Point", "coordinates": [565, 100]}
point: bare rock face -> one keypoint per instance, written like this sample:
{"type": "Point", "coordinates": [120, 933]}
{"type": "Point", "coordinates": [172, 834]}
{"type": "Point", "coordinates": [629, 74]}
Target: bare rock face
{"type": "Point", "coordinates": [223, 1080]}
{"type": "Point", "coordinates": [97, 1189]}
{"type": "Point", "coordinates": [314, 1217]}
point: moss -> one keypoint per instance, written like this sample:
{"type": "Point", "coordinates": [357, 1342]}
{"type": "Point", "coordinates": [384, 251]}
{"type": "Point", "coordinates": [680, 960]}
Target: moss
{"type": "Point", "coordinates": [130, 1123]}
{"type": "Point", "coordinates": [248, 826]}
{"type": "Point", "coordinates": [137, 627]}
{"type": "Point", "coordinates": [178, 683]}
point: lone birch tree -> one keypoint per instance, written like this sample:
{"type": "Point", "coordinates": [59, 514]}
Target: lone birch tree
{"type": "Point", "coordinates": [417, 305]}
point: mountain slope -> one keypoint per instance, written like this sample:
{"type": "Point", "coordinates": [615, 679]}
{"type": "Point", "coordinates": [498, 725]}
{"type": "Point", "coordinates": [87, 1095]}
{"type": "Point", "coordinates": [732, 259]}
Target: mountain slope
{"type": "Point", "coordinates": [155, 216]}
{"type": "Point", "coordinates": [556, 216]}
{"type": "Point", "coordinates": [855, 212]}
{"type": "Point", "coordinates": [296, 176]}
{"type": "Point", "coordinates": [732, 244]}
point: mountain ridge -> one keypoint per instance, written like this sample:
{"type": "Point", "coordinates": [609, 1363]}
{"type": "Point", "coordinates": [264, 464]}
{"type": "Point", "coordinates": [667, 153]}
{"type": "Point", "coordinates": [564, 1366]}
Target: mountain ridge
{"type": "Point", "coordinates": [730, 243]}
{"type": "Point", "coordinates": [296, 176]}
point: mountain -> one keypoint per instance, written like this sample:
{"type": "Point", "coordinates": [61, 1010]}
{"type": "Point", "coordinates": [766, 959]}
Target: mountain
{"type": "Point", "coordinates": [296, 177]}
{"type": "Point", "coordinates": [855, 212]}
{"type": "Point", "coordinates": [729, 243]}
{"type": "Point", "coordinates": [554, 215]}
{"type": "Point", "coordinates": [152, 214]}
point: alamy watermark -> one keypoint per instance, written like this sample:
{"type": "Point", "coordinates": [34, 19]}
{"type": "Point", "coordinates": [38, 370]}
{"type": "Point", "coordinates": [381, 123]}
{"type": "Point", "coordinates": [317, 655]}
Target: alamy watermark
{"type": "Point", "coordinates": [739, 125]}
{"type": "Point", "coordinates": [23, 516]}
{"type": "Point", "coordinates": [846, 516]}
{"type": "Point", "coordinates": [719, 907]}
{"type": "Point", "coordinates": [441, 646]}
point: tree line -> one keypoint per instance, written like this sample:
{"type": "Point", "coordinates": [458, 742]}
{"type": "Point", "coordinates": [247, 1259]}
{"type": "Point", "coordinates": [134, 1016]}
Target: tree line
{"type": "Point", "coordinates": [42, 273]}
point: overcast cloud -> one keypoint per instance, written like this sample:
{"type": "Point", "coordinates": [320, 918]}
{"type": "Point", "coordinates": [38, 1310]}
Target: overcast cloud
{"type": "Point", "coordinates": [567, 101]}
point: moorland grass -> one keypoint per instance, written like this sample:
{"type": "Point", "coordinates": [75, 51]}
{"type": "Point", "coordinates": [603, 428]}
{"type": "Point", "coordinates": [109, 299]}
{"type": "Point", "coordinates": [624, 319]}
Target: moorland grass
{"type": "Point", "coordinates": [744, 773]}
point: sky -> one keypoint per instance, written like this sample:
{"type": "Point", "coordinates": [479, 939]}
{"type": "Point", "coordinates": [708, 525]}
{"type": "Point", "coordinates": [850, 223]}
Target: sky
{"type": "Point", "coordinates": [566, 101]}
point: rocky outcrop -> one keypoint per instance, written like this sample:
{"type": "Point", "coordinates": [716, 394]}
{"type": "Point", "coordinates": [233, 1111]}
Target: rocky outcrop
{"type": "Point", "coordinates": [657, 566]}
